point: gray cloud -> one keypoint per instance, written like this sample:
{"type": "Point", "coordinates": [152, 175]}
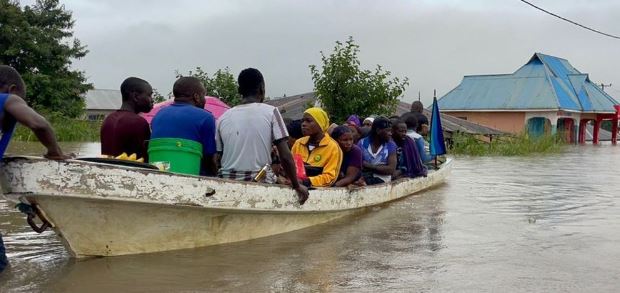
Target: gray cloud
{"type": "Point", "coordinates": [434, 43]}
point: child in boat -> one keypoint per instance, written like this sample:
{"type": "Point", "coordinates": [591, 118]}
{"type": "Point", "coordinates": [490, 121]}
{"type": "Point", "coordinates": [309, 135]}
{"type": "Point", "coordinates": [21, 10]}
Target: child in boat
{"type": "Point", "coordinates": [378, 153]}
{"type": "Point", "coordinates": [320, 153]}
{"type": "Point", "coordinates": [416, 126]}
{"type": "Point", "coordinates": [351, 167]}
{"type": "Point", "coordinates": [409, 164]}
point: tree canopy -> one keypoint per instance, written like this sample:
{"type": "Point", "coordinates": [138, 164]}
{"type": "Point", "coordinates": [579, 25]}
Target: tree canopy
{"type": "Point", "coordinates": [222, 84]}
{"type": "Point", "coordinates": [343, 88]}
{"type": "Point", "coordinates": [38, 42]}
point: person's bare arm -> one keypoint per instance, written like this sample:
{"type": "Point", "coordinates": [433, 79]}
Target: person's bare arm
{"type": "Point", "coordinates": [25, 115]}
{"type": "Point", "coordinates": [210, 164]}
{"type": "Point", "coordinates": [349, 177]}
{"type": "Point", "coordinates": [286, 159]}
{"type": "Point", "coordinates": [384, 169]}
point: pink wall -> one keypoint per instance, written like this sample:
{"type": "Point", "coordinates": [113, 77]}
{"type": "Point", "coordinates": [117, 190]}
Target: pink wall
{"type": "Point", "coordinates": [513, 122]}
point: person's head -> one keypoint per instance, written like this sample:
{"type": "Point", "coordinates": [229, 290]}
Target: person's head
{"type": "Point", "coordinates": [251, 84]}
{"type": "Point", "coordinates": [422, 124]}
{"type": "Point", "coordinates": [314, 122]}
{"type": "Point", "coordinates": [189, 89]}
{"type": "Point", "coordinates": [368, 121]}
{"type": "Point", "coordinates": [354, 120]}
{"type": "Point", "coordinates": [11, 82]}
{"type": "Point", "coordinates": [399, 129]}
{"type": "Point", "coordinates": [355, 131]}
{"type": "Point", "coordinates": [411, 120]}
{"type": "Point", "coordinates": [344, 136]}
{"type": "Point", "coordinates": [381, 129]}
{"type": "Point", "coordinates": [293, 127]}
{"type": "Point", "coordinates": [417, 107]}
{"type": "Point", "coordinates": [138, 93]}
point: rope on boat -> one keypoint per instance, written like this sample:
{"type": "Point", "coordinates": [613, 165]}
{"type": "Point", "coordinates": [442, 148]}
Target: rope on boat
{"type": "Point", "coordinates": [32, 211]}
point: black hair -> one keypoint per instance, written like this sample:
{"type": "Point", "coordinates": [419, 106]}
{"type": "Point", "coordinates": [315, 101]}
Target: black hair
{"type": "Point", "coordinates": [294, 128]}
{"type": "Point", "coordinates": [340, 130]}
{"type": "Point", "coordinates": [395, 120]}
{"type": "Point", "coordinates": [186, 86]}
{"type": "Point", "coordinates": [417, 107]}
{"type": "Point", "coordinates": [250, 82]}
{"type": "Point", "coordinates": [411, 120]}
{"type": "Point", "coordinates": [379, 123]}
{"type": "Point", "coordinates": [132, 85]}
{"type": "Point", "coordinates": [9, 76]}
{"type": "Point", "coordinates": [421, 120]}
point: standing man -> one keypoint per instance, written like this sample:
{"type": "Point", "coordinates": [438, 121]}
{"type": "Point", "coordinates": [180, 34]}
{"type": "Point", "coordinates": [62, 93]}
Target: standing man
{"type": "Point", "coordinates": [124, 131]}
{"type": "Point", "coordinates": [246, 133]}
{"type": "Point", "coordinates": [14, 109]}
{"type": "Point", "coordinates": [186, 118]}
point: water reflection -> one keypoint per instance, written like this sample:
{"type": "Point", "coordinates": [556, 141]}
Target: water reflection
{"type": "Point", "coordinates": [519, 224]}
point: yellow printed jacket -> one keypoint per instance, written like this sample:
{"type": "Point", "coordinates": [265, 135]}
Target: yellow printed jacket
{"type": "Point", "coordinates": [327, 155]}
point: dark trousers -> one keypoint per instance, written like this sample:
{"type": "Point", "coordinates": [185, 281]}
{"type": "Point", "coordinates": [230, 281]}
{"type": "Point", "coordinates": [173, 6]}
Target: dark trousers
{"type": "Point", "coordinates": [3, 260]}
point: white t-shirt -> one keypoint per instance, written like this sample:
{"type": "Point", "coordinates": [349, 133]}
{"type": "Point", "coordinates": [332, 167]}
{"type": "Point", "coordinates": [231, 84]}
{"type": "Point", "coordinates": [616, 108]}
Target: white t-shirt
{"type": "Point", "coordinates": [245, 135]}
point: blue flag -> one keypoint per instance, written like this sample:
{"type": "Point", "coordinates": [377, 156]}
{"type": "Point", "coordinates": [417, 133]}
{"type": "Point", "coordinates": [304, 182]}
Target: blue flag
{"type": "Point", "coordinates": [437, 145]}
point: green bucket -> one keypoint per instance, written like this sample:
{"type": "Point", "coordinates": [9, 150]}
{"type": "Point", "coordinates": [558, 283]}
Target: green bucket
{"type": "Point", "coordinates": [181, 155]}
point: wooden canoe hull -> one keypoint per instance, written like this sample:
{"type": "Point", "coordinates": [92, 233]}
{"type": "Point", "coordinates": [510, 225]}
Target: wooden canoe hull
{"type": "Point", "coordinates": [105, 210]}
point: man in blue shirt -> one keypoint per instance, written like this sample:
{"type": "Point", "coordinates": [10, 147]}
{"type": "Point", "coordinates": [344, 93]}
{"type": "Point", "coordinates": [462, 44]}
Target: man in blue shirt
{"type": "Point", "coordinates": [14, 109]}
{"type": "Point", "coordinates": [186, 118]}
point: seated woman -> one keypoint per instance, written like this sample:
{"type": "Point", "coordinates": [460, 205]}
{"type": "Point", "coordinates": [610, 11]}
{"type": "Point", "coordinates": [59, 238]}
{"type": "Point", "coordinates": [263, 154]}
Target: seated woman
{"type": "Point", "coordinates": [378, 152]}
{"type": "Point", "coordinates": [414, 128]}
{"type": "Point", "coordinates": [409, 161]}
{"type": "Point", "coordinates": [318, 150]}
{"type": "Point", "coordinates": [351, 167]}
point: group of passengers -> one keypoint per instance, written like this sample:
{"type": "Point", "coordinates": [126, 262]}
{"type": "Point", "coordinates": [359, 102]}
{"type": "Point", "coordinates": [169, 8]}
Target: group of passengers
{"type": "Point", "coordinates": [253, 138]}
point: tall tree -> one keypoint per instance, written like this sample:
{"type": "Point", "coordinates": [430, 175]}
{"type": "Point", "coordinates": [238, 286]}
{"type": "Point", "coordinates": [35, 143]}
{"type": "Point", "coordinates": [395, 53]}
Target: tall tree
{"type": "Point", "coordinates": [222, 84]}
{"type": "Point", "coordinates": [344, 88]}
{"type": "Point", "coordinates": [38, 41]}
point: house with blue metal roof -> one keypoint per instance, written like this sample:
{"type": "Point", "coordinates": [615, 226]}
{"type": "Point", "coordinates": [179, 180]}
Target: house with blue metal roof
{"type": "Point", "coordinates": [546, 95]}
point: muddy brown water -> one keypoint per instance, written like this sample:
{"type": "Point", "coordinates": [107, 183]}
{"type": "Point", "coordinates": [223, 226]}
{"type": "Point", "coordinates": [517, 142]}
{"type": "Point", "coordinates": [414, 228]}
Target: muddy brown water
{"type": "Point", "coordinates": [542, 224]}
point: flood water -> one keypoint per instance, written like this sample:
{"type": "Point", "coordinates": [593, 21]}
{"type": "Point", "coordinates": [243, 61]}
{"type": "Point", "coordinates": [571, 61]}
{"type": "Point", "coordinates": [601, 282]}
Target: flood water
{"type": "Point", "coordinates": [543, 224]}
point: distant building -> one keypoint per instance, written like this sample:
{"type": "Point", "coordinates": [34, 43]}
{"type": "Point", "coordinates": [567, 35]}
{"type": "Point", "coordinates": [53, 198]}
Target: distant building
{"type": "Point", "coordinates": [293, 107]}
{"type": "Point", "coordinates": [100, 103]}
{"type": "Point", "coordinates": [546, 95]}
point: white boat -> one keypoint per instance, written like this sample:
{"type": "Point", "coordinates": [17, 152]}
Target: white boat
{"type": "Point", "coordinates": [106, 210]}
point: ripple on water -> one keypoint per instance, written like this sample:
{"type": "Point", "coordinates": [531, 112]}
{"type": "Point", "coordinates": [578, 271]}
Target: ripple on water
{"type": "Point", "coordinates": [561, 188]}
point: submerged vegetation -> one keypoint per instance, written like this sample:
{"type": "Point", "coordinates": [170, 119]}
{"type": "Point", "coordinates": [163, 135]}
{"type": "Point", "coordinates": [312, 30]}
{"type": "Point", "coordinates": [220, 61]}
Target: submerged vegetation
{"type": "Point", "coordinates": [66, 129]}
{"type": "Point", "coordinates": [518, 145]}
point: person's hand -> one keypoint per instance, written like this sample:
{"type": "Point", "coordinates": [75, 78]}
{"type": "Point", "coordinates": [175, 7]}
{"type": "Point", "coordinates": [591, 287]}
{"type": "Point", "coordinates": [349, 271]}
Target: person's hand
{"type": "Point", "coordinates": [302, 193]}
{"type": "Point", "coordinates": [59, 156]}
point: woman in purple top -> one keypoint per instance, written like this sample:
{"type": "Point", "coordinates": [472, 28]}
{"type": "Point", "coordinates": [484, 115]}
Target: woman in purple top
{"type": "Point", "coordinates": [351, 167]}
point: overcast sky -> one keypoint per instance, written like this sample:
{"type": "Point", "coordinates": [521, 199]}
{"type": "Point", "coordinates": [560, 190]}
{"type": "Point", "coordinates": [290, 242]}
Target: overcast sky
{"type": "Point", "coordinates": [433, 43]}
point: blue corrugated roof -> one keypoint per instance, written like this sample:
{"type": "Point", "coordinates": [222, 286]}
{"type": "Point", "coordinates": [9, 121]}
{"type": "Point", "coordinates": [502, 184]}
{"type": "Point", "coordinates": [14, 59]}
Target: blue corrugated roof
{"type": "Point", "coordinates": [544, 82]}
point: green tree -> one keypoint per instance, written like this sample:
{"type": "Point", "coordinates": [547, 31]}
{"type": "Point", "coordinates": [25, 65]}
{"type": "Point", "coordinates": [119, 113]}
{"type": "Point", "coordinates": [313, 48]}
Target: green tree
{"type": "Point", "coordinates": [38, 42]}
{"type": "Point", "coordinates": [343, 88]}
{"type": "Point", "coordinates": [158, 98]}
{"type": "Point", "coordinates": [222, 84]}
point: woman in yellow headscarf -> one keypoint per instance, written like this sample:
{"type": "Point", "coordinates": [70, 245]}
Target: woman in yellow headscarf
{"type": "Point", "coordinates": [321, 154]}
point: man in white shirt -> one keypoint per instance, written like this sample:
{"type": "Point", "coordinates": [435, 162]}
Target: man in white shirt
{"type": "Point", "coordinates": [245, 135]}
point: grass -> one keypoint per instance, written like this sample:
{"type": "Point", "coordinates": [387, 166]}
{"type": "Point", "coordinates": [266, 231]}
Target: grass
{"type": "Point", "coordinates": [518, 145]}
{"type": "Point", "coordinates": [66, 129]}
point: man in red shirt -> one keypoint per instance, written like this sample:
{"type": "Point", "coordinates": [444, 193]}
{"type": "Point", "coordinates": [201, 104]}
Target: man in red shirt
{"type": "Point", "coordinates": [124, 131]}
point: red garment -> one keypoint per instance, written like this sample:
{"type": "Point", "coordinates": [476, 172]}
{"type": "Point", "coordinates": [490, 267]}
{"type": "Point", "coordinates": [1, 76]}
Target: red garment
{"type": "Point", "coordinates": [125, 132]}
